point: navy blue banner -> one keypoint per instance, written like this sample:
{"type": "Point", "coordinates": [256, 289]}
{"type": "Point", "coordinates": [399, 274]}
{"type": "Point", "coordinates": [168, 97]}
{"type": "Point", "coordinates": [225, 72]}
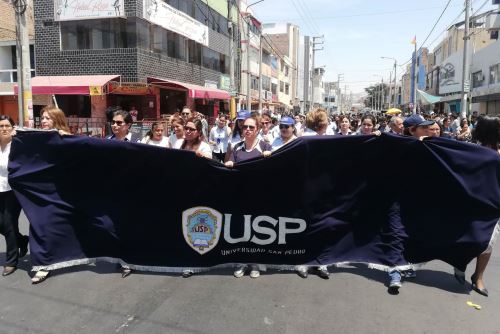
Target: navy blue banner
{"type": "Point", "coordinates": [386, 201]}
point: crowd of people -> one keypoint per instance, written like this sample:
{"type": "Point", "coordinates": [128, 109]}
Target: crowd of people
{"type": "Point", "coordinates": [250, 135]}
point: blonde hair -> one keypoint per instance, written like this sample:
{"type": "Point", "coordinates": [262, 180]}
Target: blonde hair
{"type": "Point", "coordinates": [317, 119]}
{"type": "Point", "coordinates": [58, 118]}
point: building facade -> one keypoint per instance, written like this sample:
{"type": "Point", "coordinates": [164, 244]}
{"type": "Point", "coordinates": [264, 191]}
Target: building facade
{"type": "Point", "coordinates": [165, 52]}
{"type": "Point", "coordinates": [8, 57]}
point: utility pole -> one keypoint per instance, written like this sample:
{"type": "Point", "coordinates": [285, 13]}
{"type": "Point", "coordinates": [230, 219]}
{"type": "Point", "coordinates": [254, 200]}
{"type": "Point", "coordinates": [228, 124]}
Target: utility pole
{"type": "Point", "coordinates": [415, 81]}
{"type": "Point", "coordinates": [249, 82]}
{"type": "Point", "coordinates": [345, 94]}
{"type": "Point", "coordinates": [381, 94]}
{"type": "Point", "coordinates": [260, 72]}
{"type": "Point", "coordinates": [313, 61]}
{"type": "Point", "coordinates": [390, 89]}
{"type": "Point", "coordinates": [232, 86]}
{"type": "Point", "coordinates": [466, 68]}
{"type": "Point", "coordinates": [339, 77]}
{"type": "Point", "coordinates": [395, 84]}
{"type": "Point", "coordinates": [25, 98]}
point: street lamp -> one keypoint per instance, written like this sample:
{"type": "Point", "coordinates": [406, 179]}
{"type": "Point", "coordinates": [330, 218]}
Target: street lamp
{"type": "Point", "coordinates": [378, 94]}
{"type": "Point", "coordinates": [395, 75]}
{"type": "Point", "coordinates": [249, 97]}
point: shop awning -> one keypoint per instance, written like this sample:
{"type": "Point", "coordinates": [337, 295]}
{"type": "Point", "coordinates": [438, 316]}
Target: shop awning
{"type": "Point", "coordinates": [70, 85]}
{"type": "Point", "coordinates": [427, 98]}
{"type": "Point", "coordinates": [194, 91]}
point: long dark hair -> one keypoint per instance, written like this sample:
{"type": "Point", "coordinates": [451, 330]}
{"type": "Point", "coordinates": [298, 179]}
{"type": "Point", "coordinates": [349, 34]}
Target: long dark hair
{"type": "Point", "coordinates": [152, 130]}
{"type": "Point", "coordinates": [199, 128]}
{"type": "Point", "coordinates": [487, 132]}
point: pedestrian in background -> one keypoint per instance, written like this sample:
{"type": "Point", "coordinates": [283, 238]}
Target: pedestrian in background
{"type": "Point", "coordinates": [120, 126]}
{"type": "Point", "coordinates": [177, 125]}
{"type": "Point", "coordinates": [219, 138]}
{"type": "Point", "coordinates": [155, 136]}
{"type": "Point", "coordinates": [10, 209]}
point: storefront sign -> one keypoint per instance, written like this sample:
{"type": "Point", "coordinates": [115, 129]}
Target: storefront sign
{"type": "Point", "coordinates": [130, 88]}
{"type": "Point", "coordinates": [67, 10]}
{"type": "Point", "coordinates": [225, 82]}
{"type": "Point", "coordinates": [95, 90]}
{"type": "Point", "coordinates": [42, 100]}
{"type": "Point", "coordinates": [166, 16]}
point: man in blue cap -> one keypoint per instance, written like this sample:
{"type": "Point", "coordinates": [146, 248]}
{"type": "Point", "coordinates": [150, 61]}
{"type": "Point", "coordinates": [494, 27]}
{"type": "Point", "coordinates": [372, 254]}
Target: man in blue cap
{"type": "Point", "coordinates": [287, 133]}
{"type": "Point", "coordinates": [416, 126]}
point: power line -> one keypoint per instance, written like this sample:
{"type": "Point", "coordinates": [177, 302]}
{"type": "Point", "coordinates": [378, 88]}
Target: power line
{"type": "Point", "coordinates": [433, 27]}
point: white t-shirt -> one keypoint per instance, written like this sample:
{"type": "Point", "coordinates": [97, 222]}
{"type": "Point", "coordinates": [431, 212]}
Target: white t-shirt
{"type": "Point", "coordinates": [204, 148]}
{"type": "Point", "coordinates": [4, 161]}
{"type": "Point", "coordinates": [161, 143]}
{"type": "Point", "coordinates": [173, 140]}
{"type": "Point", "coordinates": [308, 132]}
{"type": "Point", "coordinates": [278, 142]}
{"type": "Point", "coordinates": [220, 137]}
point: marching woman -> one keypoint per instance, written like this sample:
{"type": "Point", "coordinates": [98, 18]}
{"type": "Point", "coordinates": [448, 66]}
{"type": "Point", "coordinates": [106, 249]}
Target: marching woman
{"type": "Point", "coordinates": [287, 133]}
{"type": "Point", "coordinates": [194, 140]}
{"type": "Point", "coordinates": [16, 244]}
{"type": "Point", "coordinates": [368, 125]}
{"type": "Point", "coordinates": [52, 119]}
{"type": "Point", "coordinates": [345, 126]}
{"type": "Point", "coordinates": [177, 125]}
{"type": "Point", "coordinates": [236, 133]}
{"type": "Point", "coordinates": [487, 133]}
{"type": "Point", "coordinates": [120, 125]}
{"type": "Point", "coordinates": [250, 147]}
{"type": "Point", "coordinates": [155, 136]}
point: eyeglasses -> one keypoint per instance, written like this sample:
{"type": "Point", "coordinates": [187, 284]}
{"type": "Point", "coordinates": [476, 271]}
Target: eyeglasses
{"type": "Point", "coordinates": [248, 127]}
{"type": "Point", "coordinates": [265, 123]}
{"type": "Point", "coordinates": [188, 129]}
{"type": "Point", "coordinates": [284, 126]}
{"type": "Point", "coordinates": [119, 123]}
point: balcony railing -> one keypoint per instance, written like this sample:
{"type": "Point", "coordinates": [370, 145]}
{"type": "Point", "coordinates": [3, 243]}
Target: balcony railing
{"type": "Point", "coordinates": [8, 75]}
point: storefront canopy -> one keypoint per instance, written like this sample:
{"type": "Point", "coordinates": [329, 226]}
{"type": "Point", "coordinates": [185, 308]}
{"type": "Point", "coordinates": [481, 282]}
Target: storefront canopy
{"type": "Point", "coordinates": [427, 98]}
{"type": "Point", "coordinates": [69, 85]}
{"type": "Point", "coordinates": [194, 91]}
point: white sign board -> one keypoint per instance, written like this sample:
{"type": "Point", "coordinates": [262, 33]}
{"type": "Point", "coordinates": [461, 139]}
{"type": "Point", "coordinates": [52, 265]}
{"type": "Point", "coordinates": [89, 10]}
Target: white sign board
{"type": "Point", "coordinates": [69, 10]}
{"type": "Point", "coordinates": [450, 76]}
{"type": "Point", "coordinates": [166, 16]}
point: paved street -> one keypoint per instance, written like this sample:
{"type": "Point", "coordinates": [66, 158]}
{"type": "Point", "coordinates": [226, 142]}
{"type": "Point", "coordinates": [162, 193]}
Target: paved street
{"type": "Point", "coordinates": [95, 299]}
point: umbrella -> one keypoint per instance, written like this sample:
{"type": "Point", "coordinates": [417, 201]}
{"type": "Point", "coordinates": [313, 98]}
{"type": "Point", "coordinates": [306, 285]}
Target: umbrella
{"type": "Point", "coordinates": [393, 111]}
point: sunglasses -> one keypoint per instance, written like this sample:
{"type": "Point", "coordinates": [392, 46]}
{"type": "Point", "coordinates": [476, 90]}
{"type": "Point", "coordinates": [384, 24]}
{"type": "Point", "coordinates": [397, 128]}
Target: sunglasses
{"type": "Point", "coordinates": [188, 129]}
{"type": "Point", "coordinates": [265, 123]}
{"type": "Point", "coordinates": [119, 123]}
{"type": "Point", "coordinates": [248, 127]}
{"type": "Point", "coordinates": [284, 126]}
{"type": "Point", "coordinates": [186, 113]}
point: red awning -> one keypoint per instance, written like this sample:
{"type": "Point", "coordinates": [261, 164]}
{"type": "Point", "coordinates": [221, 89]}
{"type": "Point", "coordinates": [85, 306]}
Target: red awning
{"type": "Point", "coordinates": [194, 91]}
{"type": "Point", "coordinates": [68, 85]}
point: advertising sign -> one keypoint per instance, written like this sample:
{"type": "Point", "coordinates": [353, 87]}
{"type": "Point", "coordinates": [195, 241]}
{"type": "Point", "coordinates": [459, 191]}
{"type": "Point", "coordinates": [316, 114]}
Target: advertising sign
{"type": "Point", "coordinates": [68, 10]}
{"type": "Point", "coordinates": [166, 16]}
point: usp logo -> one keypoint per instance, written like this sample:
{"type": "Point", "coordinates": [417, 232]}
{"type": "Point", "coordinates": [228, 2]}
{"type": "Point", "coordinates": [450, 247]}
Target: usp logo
{"type": "Point", "coordinates": [201, 227]}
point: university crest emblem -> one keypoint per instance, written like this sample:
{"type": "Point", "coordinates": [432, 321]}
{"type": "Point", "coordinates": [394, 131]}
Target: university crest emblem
{"type": "Point", "coordinates": [201, 227]}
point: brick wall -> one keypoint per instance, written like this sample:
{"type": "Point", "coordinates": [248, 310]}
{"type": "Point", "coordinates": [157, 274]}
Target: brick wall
{"type": "Point", "coordinates": [133, 65]}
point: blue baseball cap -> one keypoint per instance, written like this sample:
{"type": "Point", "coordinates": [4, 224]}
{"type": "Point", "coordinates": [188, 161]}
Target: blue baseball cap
{"type": "Point", "coordinates": [287, 120]}
{"type": "Point", "coordinates": [416, 120]}
{"type": "Point", "coordinates": [243, 115]}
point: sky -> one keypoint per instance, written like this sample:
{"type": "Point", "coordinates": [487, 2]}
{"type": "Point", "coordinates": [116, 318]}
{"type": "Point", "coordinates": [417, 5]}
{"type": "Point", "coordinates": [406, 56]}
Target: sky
{"type": "Point", "coordinates": [357, 33]}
